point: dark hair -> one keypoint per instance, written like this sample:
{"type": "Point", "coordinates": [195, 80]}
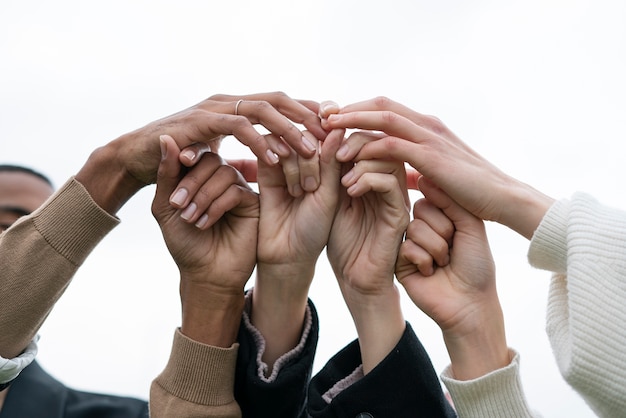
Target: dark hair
{"type": "Point", "coordinates": [4, 168]}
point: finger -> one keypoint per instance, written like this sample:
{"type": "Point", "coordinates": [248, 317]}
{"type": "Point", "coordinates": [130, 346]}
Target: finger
{"type": "Point", "coordinates": [312, 105]}
{"type": "Point", "coordinates": [417, 256]}
{"type": "Point", "coordinates": [291, 173]}
{"type": "Point", "coordinates": [193, 180]}
{"type": "Point", "coordinates": [368, 166]}
{"type": "Point", "coordinates": [330, 167]}
{"type": "Point", "coordinates": [435, 218]}
{"type": "Point", "coordinates": [412, 177]}
{"type": "Point", "coordinates": [211, 125]}
{"type": "Point", "coordinates": [296, 111]}
{"type": "Point", "coordinates": [379, 166]}
{"type": "Point", "coordinates": [310, 168]}
{"type": "Point", "coordinates": [239, 200]}
{"type": "Point", "coordinates": [462, 219]}
{"type": "Point", "coordinates": [220, 180]}
{"type": "Point", "coordinates": [423, 236]}
{"type": "Point", "coordinates": [190, 155]}
{"type": "Point", "coordinates": [355, 142]}
{"type": "Point", "coordinates": [328, 108]}
{"type": "Point", "coordinates": [386, 185]}
{"type": "Point", "coordinates": [167, 176]}
{"type": "Point", "coordinates": [247, 168]}
{"type": "Point", "coordinates": [382, 103]}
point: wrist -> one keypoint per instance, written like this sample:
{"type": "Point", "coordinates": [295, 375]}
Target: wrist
{"type": "Point", "coordinates": [379, 323]}
{"type": "Point", "coordinates": [279, 301]}
{"type": "Point", "coordinates": [480, 348]}
{"type": "Point", "coordinates": [106, 179]}
{"type": "Point", "coordinates": [211, 314]}
{"type": "Point", "coordinates": [525, 209]}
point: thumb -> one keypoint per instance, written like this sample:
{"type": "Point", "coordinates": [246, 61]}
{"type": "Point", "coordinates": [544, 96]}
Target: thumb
{"type": "Point", "coordinates": [440, 199]}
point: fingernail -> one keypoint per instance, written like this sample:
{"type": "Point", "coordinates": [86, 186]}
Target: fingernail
{"type": "Point", "coordinates": [283, 150]}
{"type": "Point", "coordinates": [342, 152]}
{"type": "Point", "coordinates": [297, 190]}
{"type": "Point", "coordinates": [189, 211]}
{"type": "Point", "coordinates": [163, 147]}
{"type": "Point", "coordinates": [189, 154]}
{"type": "Point", "coordinates": [179, 197]}
{"type": "Point", "coordinates": [273, 157]}
{"type": "Point", "coordinates": [346, 179]}
{"type": "Point", "coordinates": [308, 144]}
{"type": "Point", "coordinates": [310, 184]}
{"type": "Point", "coordinates": [202, 221]}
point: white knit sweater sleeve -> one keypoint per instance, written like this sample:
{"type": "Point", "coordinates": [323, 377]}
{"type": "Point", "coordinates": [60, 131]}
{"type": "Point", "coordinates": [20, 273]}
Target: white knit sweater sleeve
{"type": "Point", "coordinates": [584, 244]}
{"type": "Point", "coordinates": [495, 395]}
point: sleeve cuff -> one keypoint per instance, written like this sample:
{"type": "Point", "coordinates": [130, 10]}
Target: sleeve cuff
{"type": "Point", "coordinates": [11, 368]}
{"type": "Point", "coordinates": [82, 222]}
{"type": "Point", "coordinates": [496, 394]}
{"type": "Point", "coordinates": [260, 342]}
{"type": "Point", "coordinates": [200, 373]}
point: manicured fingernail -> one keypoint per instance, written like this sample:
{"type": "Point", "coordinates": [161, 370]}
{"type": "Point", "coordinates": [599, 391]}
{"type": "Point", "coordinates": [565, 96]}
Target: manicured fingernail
{"type": "Point", "coordinates": [189, 211]}
{"type": "Point", "coordinates": [179, 197]}
{"type": "Point", "coordinates": [283, 150]}
{"type": "Point", "coordinates": [310, 184]}
{"type": "Point", "coordinates": [342, 152]}
{"type": "Point", "coordinates": [273, 157]}
{"type": "Point", "coordinates": [189, 154]}
{"type": "Point", "coordinates": [308, 144]}
{"type": "Point", "coordinates": [163, 147]}
{"type": "Point", "coordinates": [348, 176]}
{"type": "Point", "coordinates": [202, 221]}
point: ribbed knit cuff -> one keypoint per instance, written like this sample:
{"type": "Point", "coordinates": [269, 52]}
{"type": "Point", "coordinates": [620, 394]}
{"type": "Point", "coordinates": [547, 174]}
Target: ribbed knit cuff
{"type": "Point", "coordinates": [548, 246]}
{"type": "Point", "coordinates": [496, 394]}
{"type": "Point", "coordinates": [200, 373]}
{"type": "Point", "coordinates": [72, 223]}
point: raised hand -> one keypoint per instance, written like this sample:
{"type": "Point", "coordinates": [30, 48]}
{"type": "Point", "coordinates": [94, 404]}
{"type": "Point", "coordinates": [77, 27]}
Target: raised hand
{"type": "Point", "coordinates": [215, 261]}
{"type": "Point", "coordinates": [293, 231]}
{"type": "Point", "coordinates": [447, 269]}
{"type": "Point", "coordinates": [432, 149]}
{"type": "Point", "coordinates": [362, 249]}
{"type": "Point", "coordinates": [132, 159]}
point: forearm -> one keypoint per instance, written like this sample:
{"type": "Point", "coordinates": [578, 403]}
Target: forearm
{"type": "Point", "coordinates": [63, 232]}
{"type": "Point", "coordinates": [279, 303]}
{"type": "Point", "coordinates": [378, 320]}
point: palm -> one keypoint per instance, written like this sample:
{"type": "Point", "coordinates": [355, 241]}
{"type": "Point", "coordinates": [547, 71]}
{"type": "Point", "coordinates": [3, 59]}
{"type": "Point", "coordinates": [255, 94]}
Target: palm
{"type": "Point", "coordinates": [364, 240]}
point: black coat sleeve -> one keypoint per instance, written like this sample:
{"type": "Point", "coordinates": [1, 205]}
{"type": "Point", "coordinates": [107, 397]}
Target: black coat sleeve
{"type": "Point", "coordinates": [286, 396]}
{"type": "Point", "coordinates": [404, 384]}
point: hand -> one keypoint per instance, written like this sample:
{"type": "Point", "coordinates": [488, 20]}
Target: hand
{"type": "Point", "coordinates": [132, 159]}
{"type": "Point", "coordinates": [432, 149]}
{"type": "Point", "coordinates": [292, 233]}
{"type": "Point", "coordinates": [447, 269]}
{"type": "Point", "coordinates": [362, 249]}
{"type": "Point", "coordinates": [214, 262]}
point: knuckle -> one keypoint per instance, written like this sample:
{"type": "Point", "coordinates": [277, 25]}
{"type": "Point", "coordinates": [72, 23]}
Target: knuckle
{"type": "Point", "coordinates": [434, 124]}
{"type": "Point", "coordinates": [389, 116]}
{"type": "Point", "coordinates": [382, 102]}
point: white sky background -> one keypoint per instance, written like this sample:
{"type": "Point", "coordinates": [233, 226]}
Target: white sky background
{"type": "Point", "coordinates": [537, 87]}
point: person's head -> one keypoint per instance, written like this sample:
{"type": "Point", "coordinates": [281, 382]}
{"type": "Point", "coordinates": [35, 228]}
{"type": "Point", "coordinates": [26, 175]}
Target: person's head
{"type": "Point", "coordinates": [22, 190]}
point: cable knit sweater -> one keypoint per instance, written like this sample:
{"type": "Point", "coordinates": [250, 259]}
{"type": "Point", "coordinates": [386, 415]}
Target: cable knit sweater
{"type": "Point", "coordinates": [584, 244]}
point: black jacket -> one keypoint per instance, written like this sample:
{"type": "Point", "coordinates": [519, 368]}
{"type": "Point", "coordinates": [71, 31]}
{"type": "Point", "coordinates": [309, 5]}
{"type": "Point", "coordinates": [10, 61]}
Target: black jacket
{"type": "Point", "coordinates": [36, 394]}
